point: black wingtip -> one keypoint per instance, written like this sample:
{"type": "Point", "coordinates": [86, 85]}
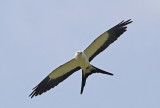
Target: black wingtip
{"type": "Point", "coordinates": [124, 23]}
{"type": "Point", "coordinates": [128, 21]}
{"type": "Point", "coordinates": [42, 87]}
{"type": "Point", "coordinates": [118, 30]}
{"type": "Point", "coordinates": [33, 93]}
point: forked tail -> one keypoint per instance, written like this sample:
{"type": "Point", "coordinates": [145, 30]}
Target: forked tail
{"type": "Point", "coordinates": [91, 69]}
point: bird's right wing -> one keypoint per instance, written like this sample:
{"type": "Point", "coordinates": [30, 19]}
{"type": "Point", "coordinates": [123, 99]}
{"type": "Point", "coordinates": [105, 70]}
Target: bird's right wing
{"type": "Point", "coordinates": [104, 40]}
{"type": "Point", "coordinates": [55, 77]}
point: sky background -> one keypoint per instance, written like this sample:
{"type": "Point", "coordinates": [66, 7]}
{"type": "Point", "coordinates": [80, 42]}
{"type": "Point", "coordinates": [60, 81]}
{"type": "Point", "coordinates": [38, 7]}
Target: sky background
{"type": "Point", "coordinates": [36, 36]}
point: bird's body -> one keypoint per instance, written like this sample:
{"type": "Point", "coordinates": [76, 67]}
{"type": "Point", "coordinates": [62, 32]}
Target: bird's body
{"type": "Point", "coordinates": [87, 69]}
{"type": "Point", "coordinates": [82, 61]}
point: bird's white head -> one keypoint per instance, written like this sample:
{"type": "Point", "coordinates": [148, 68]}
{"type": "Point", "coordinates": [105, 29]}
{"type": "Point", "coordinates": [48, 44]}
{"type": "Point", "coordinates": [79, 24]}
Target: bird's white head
{"type": "Point", "coordinates": [78, 53]}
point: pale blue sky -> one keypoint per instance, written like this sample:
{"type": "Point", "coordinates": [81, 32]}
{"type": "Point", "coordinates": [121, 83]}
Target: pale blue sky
{"type": "Point", "coordinates": [36, 36]}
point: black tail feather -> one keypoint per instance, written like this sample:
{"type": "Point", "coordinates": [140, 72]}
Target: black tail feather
{"type": "Point", "coordinates": [97, 70]}
{"type": "Point", "coordinates": [92, 69]}
{"type": "Point", "coordinates": [83, 81]}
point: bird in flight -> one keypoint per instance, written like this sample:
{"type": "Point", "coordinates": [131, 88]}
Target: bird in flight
{"type": "Point", "coordinates": [82, 61]}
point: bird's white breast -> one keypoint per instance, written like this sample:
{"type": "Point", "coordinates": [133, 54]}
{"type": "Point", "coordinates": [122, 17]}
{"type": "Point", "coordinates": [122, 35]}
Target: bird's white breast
{"type": "Point", "coordinates": [82, 60]}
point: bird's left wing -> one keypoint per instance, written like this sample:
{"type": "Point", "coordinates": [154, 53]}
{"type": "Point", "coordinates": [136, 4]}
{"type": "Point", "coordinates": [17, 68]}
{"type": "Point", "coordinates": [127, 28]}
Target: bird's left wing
{"type": "Point", "coordinates": [104, 40]}
{"type": "Point", "coordinates": [55, 77]}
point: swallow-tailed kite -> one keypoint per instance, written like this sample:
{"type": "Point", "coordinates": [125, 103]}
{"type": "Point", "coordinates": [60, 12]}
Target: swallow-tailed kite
{"type": "Point", "coordinates": [81, 61]}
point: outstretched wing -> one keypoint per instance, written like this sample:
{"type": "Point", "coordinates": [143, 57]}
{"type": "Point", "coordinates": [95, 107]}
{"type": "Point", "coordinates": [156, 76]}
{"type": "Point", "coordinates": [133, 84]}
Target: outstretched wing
{"type": "Point", "coordinates": [55, 77]}
{"type": "Point", "coordinates": [104, 40]}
